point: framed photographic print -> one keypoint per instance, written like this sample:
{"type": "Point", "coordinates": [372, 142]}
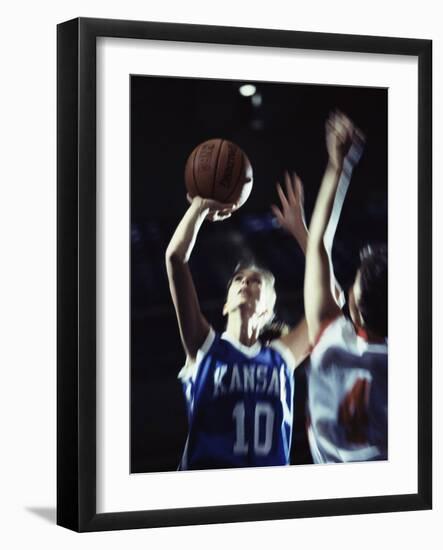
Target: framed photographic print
{"type": "Point", "coordinates": [228, 199]}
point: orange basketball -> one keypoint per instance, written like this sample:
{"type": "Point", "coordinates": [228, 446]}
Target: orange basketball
{"type": "Point", "coordinates": [218, 169]}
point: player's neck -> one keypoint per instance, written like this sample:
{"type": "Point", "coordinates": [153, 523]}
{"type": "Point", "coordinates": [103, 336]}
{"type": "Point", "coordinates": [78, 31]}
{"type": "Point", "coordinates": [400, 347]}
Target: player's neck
{"type": "Point", "coordinates": [243, 328]}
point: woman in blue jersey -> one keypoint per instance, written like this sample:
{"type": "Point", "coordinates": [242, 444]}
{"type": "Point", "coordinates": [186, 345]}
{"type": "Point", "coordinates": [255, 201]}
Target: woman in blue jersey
{"type": "Point", "coordinates": [239, 392]}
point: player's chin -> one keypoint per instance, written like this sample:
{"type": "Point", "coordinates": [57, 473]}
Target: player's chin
{"type": "Point", "coordinates": [239, 302]}
{"type": "Point", "coordinates": [232, 306]}
{"type": "Point", "coordinates": [249, 306]}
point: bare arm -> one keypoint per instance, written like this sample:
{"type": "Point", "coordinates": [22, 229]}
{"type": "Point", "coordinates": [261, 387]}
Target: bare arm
{"type": "Point", "coordinates": [192, 324]}
{"type": "Point", "coordinates": [297, 341]}
{"type": "Point", "coordinates": [291, 216]}
{"type": "Point", "coordinates": [344, 145]}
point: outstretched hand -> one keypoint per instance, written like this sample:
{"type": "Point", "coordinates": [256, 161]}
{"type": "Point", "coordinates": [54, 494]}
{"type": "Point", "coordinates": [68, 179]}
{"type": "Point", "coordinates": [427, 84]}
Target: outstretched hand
{"type": "Point", "coordinates": [344, 141]}
{"type": "Point", "coordinates": [291, 214]}
{"type": "Point", "coordinates": [216, 211]}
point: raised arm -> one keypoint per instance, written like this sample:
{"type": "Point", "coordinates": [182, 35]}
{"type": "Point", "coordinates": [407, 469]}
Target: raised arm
{"type": "Point", "coordinates": [291, 216]}
{"type": "Point", "coordinates": [192, 324]}
{"type": "Point", "coordinates": [344, 144]}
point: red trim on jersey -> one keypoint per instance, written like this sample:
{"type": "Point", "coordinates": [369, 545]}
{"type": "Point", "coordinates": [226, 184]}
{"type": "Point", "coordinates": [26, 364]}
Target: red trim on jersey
{"type": "Point", "coordinates": [323, 327]}
{"type": "Point", "coordinates": [363, 334]}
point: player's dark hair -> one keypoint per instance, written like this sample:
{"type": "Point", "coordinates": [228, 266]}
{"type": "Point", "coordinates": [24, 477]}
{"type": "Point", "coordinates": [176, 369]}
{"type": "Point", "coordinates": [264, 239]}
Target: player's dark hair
{"type": "Point", "coordinates": [373, 302]}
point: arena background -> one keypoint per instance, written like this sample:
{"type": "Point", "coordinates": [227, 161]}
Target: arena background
{"type": "Point", "coordinates": [280, 127]}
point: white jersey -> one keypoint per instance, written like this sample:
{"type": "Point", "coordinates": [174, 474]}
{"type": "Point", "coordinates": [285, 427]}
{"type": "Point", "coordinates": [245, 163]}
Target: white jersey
{"type": "Point", "coordinates": [347, 374]}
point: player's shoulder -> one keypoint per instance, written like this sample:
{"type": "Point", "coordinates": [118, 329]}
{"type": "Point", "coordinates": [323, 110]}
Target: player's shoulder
{"type": "Point", "coordinates": [283, 352]}
{"type": "Point", "coordinates": [189, 369]}
{"type": "Point", "coordinates": [337, 327]}
{"type": "Point", "coordinates": [341, 336]}
{"type": "Point", "coordinates": [338, 332]}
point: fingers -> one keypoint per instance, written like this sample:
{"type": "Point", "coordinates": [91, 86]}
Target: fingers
{"type": "Point", "coordinates": [343, 139]}
{"type": "Point", "coordinates": [277, 214]}
{"type": "Point", "coordinates": [220, 206]}
{"type": "Point", "coordinates": [339, 125]}
{"type": "Point", "coordinates": [299, 191]}
{"type": "Point", "coordinates": [344, 122]}
{"type": "Point", "coordinates": [294, 191]}
{"type": "Point", "coordinates": [290, 188]}
{"type": "Point", "coordinates": [283, 200]}
{"type": "Point", "coordinates": [217, 217]}
{"type": "Point", "coordinates": [342, 125]}
{"type": "Point", "coordinates": [219, 211]}
{"type": "Point", "coordinates": [213, 205]}
{"type": "Point", "coordinates": [227, 211]}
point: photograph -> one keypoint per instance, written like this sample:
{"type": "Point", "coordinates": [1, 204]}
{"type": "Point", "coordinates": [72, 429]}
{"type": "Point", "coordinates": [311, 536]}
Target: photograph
{"type": "Point", "coordinates": [258, 274]}
{"type": "Point", "coordinates": [202, 344]}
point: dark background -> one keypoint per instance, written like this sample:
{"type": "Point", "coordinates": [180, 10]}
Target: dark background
{"type": "Point", "coordinates": [169, 117]}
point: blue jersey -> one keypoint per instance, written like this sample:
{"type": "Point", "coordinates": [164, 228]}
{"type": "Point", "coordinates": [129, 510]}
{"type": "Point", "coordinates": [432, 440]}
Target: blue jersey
{"type": "Point", "coordinates": [239, 402]}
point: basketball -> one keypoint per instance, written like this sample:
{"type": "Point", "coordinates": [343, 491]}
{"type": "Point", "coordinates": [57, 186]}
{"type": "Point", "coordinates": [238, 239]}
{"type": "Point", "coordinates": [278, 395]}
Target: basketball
{"type": "Point", "coordinates": [218, 169]}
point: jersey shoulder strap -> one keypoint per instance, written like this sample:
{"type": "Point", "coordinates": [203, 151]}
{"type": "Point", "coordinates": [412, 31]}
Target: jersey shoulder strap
{"type": "Point", "coordinates": [189, 369]}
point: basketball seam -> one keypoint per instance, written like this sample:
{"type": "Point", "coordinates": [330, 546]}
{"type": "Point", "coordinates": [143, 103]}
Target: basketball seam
{"type": "Point", "coordinates": [216, 168]}
{"type": "Point", "coordinates": [238, 179]}
{"type": "Point", "coordinates": [193, 173]}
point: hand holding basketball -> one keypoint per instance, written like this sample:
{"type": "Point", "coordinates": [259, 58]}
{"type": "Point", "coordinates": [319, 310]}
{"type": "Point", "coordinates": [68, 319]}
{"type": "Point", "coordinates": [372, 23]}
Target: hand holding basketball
{"type": "Point", "coordinates": [216, 211]}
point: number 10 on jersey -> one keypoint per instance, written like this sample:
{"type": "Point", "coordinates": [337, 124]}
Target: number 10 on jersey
{"type": "Point", "coordinates": [262, 441]}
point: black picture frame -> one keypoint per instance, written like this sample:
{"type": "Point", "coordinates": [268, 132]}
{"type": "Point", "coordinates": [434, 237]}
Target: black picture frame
{"type": "Point", "coordinates": [76, 273]}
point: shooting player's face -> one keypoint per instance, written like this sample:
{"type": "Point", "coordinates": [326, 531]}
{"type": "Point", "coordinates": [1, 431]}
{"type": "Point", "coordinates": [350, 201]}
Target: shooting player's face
{"type": "Point", "coordinates": [248, 290]}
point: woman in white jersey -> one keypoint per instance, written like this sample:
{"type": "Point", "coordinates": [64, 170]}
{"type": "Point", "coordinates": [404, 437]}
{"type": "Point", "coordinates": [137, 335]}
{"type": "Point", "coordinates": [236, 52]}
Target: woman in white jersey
{"type": "Point", "coordinates": [347, 380]}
